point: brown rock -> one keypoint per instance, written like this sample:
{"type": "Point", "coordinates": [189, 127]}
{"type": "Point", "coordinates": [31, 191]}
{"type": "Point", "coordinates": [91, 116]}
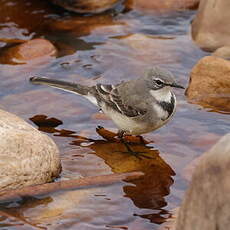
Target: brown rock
{"type": "Point", "coordinates": [82, 26]}
{"type": "Point", "coordinates": [27, 157]}
{"type": "Point", "coordinates": [86, 6]}
{"type": "Point", "coordinates": [210, 84]}
{"type": "Point", "coordinates": [210, 28]}
{"type": "Point", "coordinates": [207, 202]}
{"type": "Point", "coordinates": [27, 51]}
{"type": "Point", "coordinates": [162, 6]}
{"type": "Point", "coordinates": [222, 52]}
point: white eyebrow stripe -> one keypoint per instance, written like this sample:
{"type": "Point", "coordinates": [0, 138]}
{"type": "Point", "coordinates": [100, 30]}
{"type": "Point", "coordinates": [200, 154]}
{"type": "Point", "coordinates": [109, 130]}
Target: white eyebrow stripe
{"type": "Point", "coordinates": [159, 79]}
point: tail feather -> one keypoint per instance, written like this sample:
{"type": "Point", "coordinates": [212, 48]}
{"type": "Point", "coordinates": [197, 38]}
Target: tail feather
{"type": "Point", "coordinates": [63, 85]}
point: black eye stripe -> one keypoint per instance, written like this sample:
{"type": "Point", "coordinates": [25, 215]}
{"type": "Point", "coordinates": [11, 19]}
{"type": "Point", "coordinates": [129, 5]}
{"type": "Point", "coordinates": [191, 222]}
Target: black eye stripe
{"type": "Point", "coordinates": [159, 82]}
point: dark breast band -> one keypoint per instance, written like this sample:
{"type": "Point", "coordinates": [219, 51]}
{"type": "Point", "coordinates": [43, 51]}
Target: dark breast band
{"type": "Point", "coordinates": [168, 106]}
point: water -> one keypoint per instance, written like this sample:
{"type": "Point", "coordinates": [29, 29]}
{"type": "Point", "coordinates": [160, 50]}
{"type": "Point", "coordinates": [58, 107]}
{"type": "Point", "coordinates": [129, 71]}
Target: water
{"type": "Point", "coordinates": [104, 48]}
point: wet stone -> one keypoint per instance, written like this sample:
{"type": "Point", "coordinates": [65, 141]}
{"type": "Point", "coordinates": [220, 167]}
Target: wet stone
{"type": "Point", "coordinates": [27, 51]}
{"type": "Point", "coordinates": [90, 6]}
{"type": "Point", "coordinates": [162, 6]}
{"type": "Point", "coordinates": [210, 84]}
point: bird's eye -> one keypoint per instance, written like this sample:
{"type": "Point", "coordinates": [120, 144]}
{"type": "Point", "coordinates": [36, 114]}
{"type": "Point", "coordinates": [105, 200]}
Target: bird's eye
{"type": "Point", "coordinates": [159, 82]}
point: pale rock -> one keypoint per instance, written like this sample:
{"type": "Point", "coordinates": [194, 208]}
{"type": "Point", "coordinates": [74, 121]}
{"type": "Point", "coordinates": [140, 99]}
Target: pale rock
{"type": "Point", "coordinates": [27, 157]}
{"type": "Point", "coordinates": [207, 202]}
{"type": "Point", "coordinates": [210, 28]}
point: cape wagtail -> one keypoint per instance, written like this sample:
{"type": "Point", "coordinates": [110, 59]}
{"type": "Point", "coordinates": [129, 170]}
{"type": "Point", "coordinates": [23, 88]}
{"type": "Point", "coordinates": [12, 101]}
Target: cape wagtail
{"type": "Point", "coordinates": [136, 106]}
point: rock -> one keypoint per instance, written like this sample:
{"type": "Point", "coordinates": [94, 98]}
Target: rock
{"type": "Point", "coordinates": [27, 157]}
{"type": "Point", "coordinates": [83, 26]}
{"type": "Point", "coordinates": [210, 83]}
{"type": "Point", "coordinates": [210, 28]}
{"type": "Point", "coordinates": [162, 6]}
{"type": "Point", "coordinates": [86, 6]}
{"type": "Point", "coordinates": [207, 201]}
{"type": "Point", "coordinates": [27, 51]}
{"type": "Point", "coordinates": [222, 52]}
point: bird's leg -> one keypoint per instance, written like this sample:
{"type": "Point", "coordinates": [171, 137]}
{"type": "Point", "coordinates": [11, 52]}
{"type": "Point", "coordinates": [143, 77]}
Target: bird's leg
{"type": "Point", "coordinates": [121, 136]}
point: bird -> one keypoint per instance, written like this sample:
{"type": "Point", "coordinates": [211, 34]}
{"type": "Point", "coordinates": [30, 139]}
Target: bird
{"type": "Point", "coordinates": [136, 106]}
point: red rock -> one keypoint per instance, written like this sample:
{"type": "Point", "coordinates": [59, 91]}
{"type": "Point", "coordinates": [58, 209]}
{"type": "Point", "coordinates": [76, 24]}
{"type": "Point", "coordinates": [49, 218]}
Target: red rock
{"type": "Point", "coordinates": [163, 5]}
{"type": "Point", "coordinates": [210, 84]}
{"type": "Point", "coordinates": [30, 50]}
{"type": "Point", "coordinates": [210, 28]}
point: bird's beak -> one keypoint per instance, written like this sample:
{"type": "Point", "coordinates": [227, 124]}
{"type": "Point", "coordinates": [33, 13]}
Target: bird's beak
{"type": "Point", "coordinates": [177, 86]}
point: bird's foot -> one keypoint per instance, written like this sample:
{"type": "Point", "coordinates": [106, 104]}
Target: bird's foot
{"type": "Point", "coordinates": [137, 154]}
{"type": "Point", "coordinates": [116, 137]}
{"type": "Point", "coordinates": [131, 138]}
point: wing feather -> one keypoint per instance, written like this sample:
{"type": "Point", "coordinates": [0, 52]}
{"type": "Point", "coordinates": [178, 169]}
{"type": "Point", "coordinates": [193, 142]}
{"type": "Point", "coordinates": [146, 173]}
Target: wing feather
{"type": "Point", "coordinates": [109, 95]}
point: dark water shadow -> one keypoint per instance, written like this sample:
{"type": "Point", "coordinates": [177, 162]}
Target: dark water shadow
{"type": "Point", "coordinates": [147, 192]}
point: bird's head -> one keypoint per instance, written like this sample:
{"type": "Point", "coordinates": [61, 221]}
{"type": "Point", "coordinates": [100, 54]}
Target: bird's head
{"type": "Point", "coordinates": [158, 78]}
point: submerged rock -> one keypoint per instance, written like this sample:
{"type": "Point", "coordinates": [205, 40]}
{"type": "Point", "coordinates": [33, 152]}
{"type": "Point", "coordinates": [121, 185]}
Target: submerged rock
{"type": "Point", "coordinates": [86, 6]}
{"type": "Point", "coordinates": [31, 50]}
{"type": "Point", "coordinates": [27, 157]}
{"type": "Point", "coordinates": [207, 201]}
{"type": "Point", "coordinates": [210, 28]}
{"type": "Point", "coordinates": [210, 83]}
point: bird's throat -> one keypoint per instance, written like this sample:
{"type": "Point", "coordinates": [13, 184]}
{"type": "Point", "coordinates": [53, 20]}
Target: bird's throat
{"type": "Point", "coordinates": [163, 94]}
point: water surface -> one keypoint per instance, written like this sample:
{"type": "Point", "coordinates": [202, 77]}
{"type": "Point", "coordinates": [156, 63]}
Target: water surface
{"type": "Point", "coordinates": [106, 48]}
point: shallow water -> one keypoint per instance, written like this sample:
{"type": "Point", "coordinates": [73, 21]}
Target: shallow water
{"type": "Point", "coordinates": [106, 48]}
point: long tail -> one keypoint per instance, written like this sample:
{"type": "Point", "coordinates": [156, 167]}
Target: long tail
{"type": "Point", "coordinates": [63, 85]}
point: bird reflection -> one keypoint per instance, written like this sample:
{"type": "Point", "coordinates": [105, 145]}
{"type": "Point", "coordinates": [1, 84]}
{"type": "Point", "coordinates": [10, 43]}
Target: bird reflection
{"type": "Point", "coordinates": [147, 192]}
